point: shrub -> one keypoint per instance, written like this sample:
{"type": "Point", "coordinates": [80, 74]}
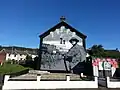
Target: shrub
{"type": "Point", "coordinates": [11, 68]}
{"type": "Point", "coordinates": [8, 61]}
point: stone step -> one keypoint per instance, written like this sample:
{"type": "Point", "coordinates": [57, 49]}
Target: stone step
{"type": "Point", "coordinates": [38, 72]}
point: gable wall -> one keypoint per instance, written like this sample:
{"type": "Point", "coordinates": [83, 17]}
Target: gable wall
{"type": "Point", "coordinates": [66, 34]}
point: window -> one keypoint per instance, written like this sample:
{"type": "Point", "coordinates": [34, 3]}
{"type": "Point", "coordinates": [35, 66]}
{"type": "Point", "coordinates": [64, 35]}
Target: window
{"type": "Point", "coordinates": [15, 55]}
{"type": "Point", "coordinates": [8, 54]}
{"type": "Point", "coordinates": [63, 41]}
{"type": "Point", "coordinates": [60, 40]}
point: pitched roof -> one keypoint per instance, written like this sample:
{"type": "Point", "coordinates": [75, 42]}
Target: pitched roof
{"type": "Point", "coordinates": [63, 23]}
{"type": "Point", "coordinates": [2, 51]}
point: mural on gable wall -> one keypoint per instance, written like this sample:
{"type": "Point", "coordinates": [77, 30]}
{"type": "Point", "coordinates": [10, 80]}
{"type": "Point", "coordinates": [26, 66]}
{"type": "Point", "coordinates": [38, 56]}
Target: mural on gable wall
{"type": "Point", "coordinates": [57, 49]}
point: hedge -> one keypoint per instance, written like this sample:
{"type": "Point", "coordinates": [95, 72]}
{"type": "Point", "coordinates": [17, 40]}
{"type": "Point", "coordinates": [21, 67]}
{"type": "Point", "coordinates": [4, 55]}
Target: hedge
{"type": "Point", "coordinates": [11, 68]}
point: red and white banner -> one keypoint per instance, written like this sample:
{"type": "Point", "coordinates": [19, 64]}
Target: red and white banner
{"type": "Point", "coordinates": [99, 62]}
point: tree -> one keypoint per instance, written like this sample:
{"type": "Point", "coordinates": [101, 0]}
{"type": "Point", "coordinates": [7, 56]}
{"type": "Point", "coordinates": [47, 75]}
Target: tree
{"type": "Point", "coordinates": [97, 51]}
{"type": "Point", "coordinates": [36, 63]}
{"type": "Point", "coordinates": [28, 57]}
{"type": "Point", "coordinates": [29, 62]}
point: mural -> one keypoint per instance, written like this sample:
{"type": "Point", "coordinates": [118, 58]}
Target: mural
{"type": "Point", "coordinates": [62, 49]}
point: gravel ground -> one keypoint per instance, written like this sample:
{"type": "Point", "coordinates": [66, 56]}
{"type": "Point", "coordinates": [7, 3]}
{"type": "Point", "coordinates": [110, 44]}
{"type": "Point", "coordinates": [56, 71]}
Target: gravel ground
{"type": "Point", "coordinates": [51, 76]}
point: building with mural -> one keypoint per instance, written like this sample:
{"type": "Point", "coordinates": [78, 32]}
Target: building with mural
{"type": "Point", "coordinates": [63, 48]}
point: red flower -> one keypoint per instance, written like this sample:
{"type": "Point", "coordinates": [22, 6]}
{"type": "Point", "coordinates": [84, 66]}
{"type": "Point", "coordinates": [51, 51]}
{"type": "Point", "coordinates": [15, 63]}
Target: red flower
{"type": "Point", "coordinates": [108, 59]}
{"type": "Point", "coordinates": [95, 62]}
{"type": "Point", "coordinates": [98, 59]}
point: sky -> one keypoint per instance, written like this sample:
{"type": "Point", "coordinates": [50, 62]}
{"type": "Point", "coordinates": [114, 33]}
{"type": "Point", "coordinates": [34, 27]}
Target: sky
{"type": "Point", "coordinates": [22, 21]}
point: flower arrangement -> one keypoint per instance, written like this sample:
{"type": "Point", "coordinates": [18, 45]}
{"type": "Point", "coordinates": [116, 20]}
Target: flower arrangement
{"type": "Point", "coordinates": [113, 62]}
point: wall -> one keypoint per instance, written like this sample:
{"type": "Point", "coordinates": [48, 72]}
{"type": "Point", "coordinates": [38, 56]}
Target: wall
{"type": "Point", "coordinates": [17, 57]}
{"type": "Point", "coordinates": [112, 84]}
{"type": "Point", "coordinates": [48, 84]}
{"type": "Point", "coordinates": [54, 38]}
{"type": "Point", "coordinates": [2, 56]}
{"type": "Point", "coordinates": [55, 46]}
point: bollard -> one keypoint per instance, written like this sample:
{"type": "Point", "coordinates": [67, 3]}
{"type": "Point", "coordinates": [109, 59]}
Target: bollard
{"type": "Point", "coordinates": [81, 75]}
{"type": "Point", "coordinates": [96, 79]}
{"type": "Point", "coordinates": [68, 77]}
{"type": "Point", "coordinates": [38, 77]}
{"type": "Point", "coordinates": [107, 82]}
{"type": "Point", "coordinates": [6, 78]}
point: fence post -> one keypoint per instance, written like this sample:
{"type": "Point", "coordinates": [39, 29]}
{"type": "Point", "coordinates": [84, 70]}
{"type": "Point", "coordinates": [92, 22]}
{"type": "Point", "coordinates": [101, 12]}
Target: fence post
{"type": "Point", "coordinates": [96, 81]}
{"type": "Point", "coordinates": [108, 80]}
{"type": "Point", "coordinates": [68, 77]}
{"type": "Point", "coordinates": [95, 71]}
{"type": "Point", "coordinates": [81, 75]}
{"type": "Point", "coordinates": [113, 70]}
{"type": "Point", "coordinates": [6, 78]}
{"type": "Point", "coordinates": [38, 77]}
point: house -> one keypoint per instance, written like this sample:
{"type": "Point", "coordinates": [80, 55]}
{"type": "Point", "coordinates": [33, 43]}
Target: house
{"type": "Point", "coordinates": [55, 43]}
{"type": "Point", "coordinates": [16, 53]}
{"type": "Point", "coordinates": [2, 56]}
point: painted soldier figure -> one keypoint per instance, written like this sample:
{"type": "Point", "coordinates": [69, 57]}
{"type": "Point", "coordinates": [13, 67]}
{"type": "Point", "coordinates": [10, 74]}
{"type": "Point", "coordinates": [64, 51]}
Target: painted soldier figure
{"type": "Point", "coordinates": [76, 54]}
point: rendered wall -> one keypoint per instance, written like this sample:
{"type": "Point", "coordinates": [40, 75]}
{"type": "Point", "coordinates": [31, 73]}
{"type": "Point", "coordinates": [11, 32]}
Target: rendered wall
{"type": "Point", "coordinates": [55, 46]}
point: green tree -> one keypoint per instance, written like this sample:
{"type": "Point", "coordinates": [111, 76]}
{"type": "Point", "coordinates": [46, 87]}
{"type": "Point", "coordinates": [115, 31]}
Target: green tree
{"type": "Point", "coordinates": [29, 62]}
{"type": "Point", "coordinates": [97, 51]}
{"type": "Point", "coordinates": [28, 57]}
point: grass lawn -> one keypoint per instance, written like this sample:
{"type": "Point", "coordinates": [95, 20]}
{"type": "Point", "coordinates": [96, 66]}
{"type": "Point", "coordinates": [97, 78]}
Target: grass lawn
{"type": "Point", "coordinates": [11, 68]}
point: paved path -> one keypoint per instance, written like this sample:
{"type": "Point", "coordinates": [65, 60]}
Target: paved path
{"type": "Point", "coordinates": [102, 82]}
